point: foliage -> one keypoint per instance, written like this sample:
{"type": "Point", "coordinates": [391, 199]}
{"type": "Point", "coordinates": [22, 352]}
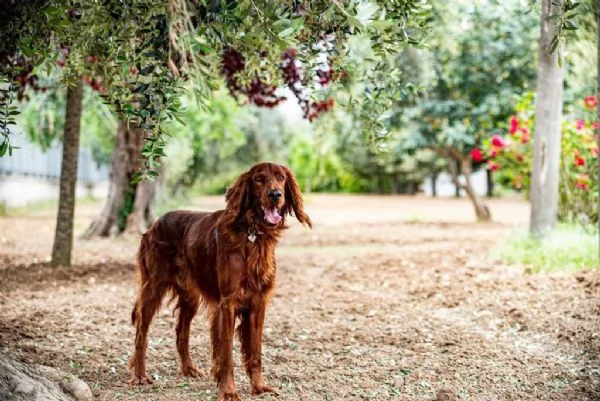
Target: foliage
{"type": "Point", "coordinates": [42, 120]}
{"type": "Point", "coordinates": [144, 50]}
{"type": "Point", "coordinates": [214, 145]}
{"type": "Point", "coordinates": [488, 60]}
{"type": "Point", "coordinates": [25, 41]}
{"type": "Point", "coordinates": [566, 248]}
{"type": "Point", "coordinates": [511, 155]}
{"type": "Point", "coordinates": [203, 139]}
{"type": "Point", "coordinates": [320, 168]}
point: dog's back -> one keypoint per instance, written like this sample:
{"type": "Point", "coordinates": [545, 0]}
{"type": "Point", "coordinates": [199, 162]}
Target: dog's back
{"type": "Point", "coordinates": [177, 248]}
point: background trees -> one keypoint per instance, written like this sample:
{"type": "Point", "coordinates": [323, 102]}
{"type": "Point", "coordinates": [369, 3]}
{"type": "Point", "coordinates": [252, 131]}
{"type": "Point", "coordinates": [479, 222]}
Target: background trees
{"type": "Point", "coordinates": [420, 110]}
{"type": "Point", "coordinates": [139, 54]}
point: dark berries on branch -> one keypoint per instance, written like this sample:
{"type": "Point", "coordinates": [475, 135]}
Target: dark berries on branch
{"type": "Point", "coordinates": [264, 94]}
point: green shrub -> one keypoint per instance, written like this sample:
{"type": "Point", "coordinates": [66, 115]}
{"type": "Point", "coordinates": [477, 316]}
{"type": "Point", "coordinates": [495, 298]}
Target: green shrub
{"type": "Point", "coordinates": [510, 156]}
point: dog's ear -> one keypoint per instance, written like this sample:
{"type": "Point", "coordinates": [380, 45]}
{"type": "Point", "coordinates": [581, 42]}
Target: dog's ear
{"type": "Point", "coordinates": [239, 197]}
{"type": "Point", "coordinates": [293, 199]}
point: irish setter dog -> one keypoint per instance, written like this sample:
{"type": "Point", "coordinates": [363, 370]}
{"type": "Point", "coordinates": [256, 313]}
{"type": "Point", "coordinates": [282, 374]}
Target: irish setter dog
{"type": "Point", "coordinates": [224, 261]}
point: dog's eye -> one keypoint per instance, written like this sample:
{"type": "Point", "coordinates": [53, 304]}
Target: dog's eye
{"type": "Point", "coordinates": [259, 178]}
{"type": "Point", "coordinates": [280, 177]}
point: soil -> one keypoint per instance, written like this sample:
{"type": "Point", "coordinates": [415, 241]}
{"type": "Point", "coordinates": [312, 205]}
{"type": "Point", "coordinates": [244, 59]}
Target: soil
{"type": "Point", "coordinates": [387, 298]}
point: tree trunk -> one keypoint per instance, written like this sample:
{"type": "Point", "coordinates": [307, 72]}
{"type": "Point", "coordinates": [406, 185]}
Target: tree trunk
{"type": "Point", "coordinates": [129, 206]}
{"type": "Point", "coordinates": [20, 382]}
{"type": "Point", "coordinates": [458, 172]}
{"type": "Point", "coordinates": [380, 185]}
{"type": "Point", "coordinates": [63, 236]}
{"type": "Point", "coordinates": [395, 184]}
{"type": "Point", "coordinates": [481, 210]}
{"type": "Point", "coordinates": [143, 207]}
{"type": "Point", "coordinates": [489, 175]}
{"type": "Point", "coordinates": [434, 178]}
{"type": "Point", "coordinates": [546, 145]}
{"type": "Point", "coordinates": [413, 188]}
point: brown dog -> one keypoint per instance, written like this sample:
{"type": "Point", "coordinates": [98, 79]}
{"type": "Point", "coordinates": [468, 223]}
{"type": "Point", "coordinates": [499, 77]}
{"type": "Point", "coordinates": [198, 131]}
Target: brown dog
{"type": "Point", "coordinates": [223, 260]}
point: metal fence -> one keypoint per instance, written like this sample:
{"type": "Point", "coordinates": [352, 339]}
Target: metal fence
{"type": "Point", "coordinates": [29, 160]}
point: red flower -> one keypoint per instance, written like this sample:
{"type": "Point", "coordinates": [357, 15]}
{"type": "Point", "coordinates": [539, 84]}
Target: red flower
{"type": "Point", "coordinates": [476, 155]}
{"type": "Point", "coordinates": [590, 102]}
{"type": "Point", "coordinates": [493, 153]}
{"type": "Point", "coordinates": [492, 165]}
{"type": "Point", "coordinates": [497, 141]}
{"type": "Point", "coordinates": [525, 137]}
{"type": "Point", "coordinates": [579, 125]}
{"type": "Point", "coordinates": [595, 125]}
{"type": "Point", "coordinates": [582, 181]}
{"type": "Point", "coordinates": [579, 161]}
{"type": "Point", "coordinates": [514, 124]}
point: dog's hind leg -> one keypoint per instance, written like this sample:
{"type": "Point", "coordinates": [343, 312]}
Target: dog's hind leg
{"type": "Point", "coordinates": [146, 305]}
{"type": "Point", "coordinates": [187, 304]}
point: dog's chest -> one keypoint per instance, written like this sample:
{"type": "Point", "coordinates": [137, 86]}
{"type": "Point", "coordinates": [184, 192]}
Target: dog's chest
{"type": "Point", "coordinates": [258, 276]}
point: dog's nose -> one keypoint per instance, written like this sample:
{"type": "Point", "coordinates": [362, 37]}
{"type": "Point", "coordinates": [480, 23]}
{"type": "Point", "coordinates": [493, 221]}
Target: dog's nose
{"type": "Point", "coordinates": [275, 195]}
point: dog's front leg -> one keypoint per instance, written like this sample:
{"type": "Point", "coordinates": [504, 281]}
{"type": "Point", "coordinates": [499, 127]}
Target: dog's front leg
{"type": "Point", "coordinates": [224, 368]}
{"type": "Point", "coordinates": [251, 332]}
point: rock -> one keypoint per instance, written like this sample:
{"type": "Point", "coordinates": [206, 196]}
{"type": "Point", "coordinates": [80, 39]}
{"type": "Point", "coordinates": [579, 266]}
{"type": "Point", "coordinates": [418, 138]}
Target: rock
{"type": "Point", "coordinates": [20, 382]}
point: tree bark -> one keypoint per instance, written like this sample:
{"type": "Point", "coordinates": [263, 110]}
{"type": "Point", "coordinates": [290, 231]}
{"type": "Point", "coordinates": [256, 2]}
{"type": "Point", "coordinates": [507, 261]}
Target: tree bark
{"type": "Point", "coordinates": [129, 207]}
{"type": "Point", "coordinates": [434, 178]}
{"type": "Point", "coordinates": [489, 175]}
{"type": "Point", "coordinates": [63, 237]}
{"type": "Point", "coordinates": [142, 215]}
{"type": "Point", "coordinates": [481, 210]}
{"type": "Point", "coordinates": [546, 145]}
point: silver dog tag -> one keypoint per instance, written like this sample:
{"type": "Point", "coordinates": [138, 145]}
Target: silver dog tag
{"type": "Point", "coordinates": [252, 237]}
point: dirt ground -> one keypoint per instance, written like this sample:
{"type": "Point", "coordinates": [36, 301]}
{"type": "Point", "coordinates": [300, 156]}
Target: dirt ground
{"type": "Point", "coordinates": [387, 298]}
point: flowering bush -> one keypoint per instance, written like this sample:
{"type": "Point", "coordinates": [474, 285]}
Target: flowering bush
{"type": "Point", "coordinates": [510, 155]}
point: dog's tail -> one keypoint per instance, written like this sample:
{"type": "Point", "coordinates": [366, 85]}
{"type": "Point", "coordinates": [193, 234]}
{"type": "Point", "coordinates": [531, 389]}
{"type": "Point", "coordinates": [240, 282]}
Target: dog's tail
{"type": "Point", "coordinates": [143, 275]}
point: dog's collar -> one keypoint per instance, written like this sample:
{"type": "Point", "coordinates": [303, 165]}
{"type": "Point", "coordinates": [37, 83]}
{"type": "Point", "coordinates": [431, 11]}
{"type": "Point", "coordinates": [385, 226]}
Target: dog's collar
{"type": "Point", "coordinates": [253, 233]}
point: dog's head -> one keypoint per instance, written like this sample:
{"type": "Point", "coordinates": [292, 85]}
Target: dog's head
{"type": "Point", "coordinates": [265, 194]}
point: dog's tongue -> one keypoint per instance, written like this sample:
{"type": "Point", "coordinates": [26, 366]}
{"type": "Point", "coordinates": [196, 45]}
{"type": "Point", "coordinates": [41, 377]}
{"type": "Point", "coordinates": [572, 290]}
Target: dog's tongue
{"type": "Point", "coordinates": [272, 216]}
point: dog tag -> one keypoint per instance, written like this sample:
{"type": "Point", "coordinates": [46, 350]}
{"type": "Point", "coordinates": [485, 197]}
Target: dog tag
{"type": "Point", "coordinates": [252, 237]}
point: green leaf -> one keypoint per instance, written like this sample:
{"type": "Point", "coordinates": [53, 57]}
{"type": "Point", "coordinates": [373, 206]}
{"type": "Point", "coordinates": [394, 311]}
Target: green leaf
{"type": "Point", "coordinates": [140, 88]}
{"type": "Point", "coordinates": [137, 177]}
{"type": "Point", "coordinates": [286, 32]}
{"type": "Point", "coordinates": [3, 147]}
{"type": "Point", "coordinates": [147, 70]}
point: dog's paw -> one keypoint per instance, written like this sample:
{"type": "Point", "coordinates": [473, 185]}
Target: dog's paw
{"type": "Point", "coordinates": [192, 370]}
{"type": "Point", "coordinates": [256, 390]}
{"type": "Point", "coordinates": [139, 380]}
{"type": "Point", "coordinates": [228, 396]}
